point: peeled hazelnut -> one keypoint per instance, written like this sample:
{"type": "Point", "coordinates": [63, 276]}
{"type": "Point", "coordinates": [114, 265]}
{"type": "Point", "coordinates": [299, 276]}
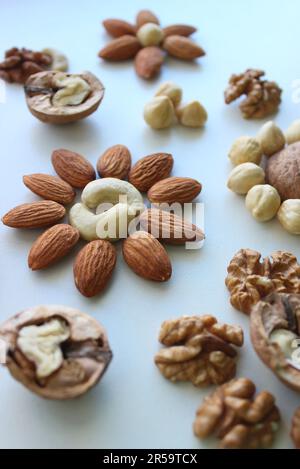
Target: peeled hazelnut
{"type": "Point", "coordinates": [289, 215]}
{"type": "Point", "coordinates": [263, 202]}
{"type": "Point", "coordinates": [159, 113]}
{"type": "Point", "coordinates": [150, 34]}
{"type": "Point", "coordinates": [244, 150]}
{"type": "Point", "coordinates": [271, 138]}
{"type": "Point", "coordinates": [292, 134]}
{"type": "Point", "coordinates": [174, 92]}
{"type": "Point", "coordinates": [244, 176]}
{"type": "Point", "coordinates": [192, 114]}
{"type": "Point", "coordinates": [59, 60]}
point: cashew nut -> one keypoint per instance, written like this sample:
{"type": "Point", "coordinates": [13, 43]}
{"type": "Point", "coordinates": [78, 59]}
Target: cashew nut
{"type": "Point", "coordinates": [59, 60]}
{"type": "Point", "coordinates": [84, 220]}
{"type": "Point", "coordinates": [113, 224]}
{"type": "Point", "coordinates": [110, 190]}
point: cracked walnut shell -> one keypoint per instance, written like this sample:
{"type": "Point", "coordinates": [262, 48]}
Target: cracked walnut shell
{"type": "Point", "coordinates": [238, 418]}
{"type": "Point", "coordinates": [198, 349]}
{"type": "Point", "coordinates": [249, 278]}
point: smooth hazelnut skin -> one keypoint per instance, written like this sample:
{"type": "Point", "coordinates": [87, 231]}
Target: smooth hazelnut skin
{"type": "Point", "coordinates": [150, 34]}
{"type": "Point", "coordinates": [271, 138]}
{"type": "Point", "coordinates": [245, 149]}
{"type": "Point", "coordinates": [289, 216]}
{"type": "Point", "coordinates": [244, 176]}
{"type": "Point", "coordinates": [292, 134]}
{"type": "Point", "coordinates": [192, 114]}
{"type": "Point", "coordinates": [171, 90]}
{"type": "Point", "coordinates": [159, 113]}
{"type": "Point", "coordinates": [263, 202]}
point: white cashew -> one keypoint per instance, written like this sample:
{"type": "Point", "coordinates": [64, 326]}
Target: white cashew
{"type": "Point", "coordinates": [59, 60]}
{"type": "Point", "coordinates": [84, 220]}
{"type": "Point", "coordinates": [113, 224]}
{"type": "Point", "coordinates": [110, 190]}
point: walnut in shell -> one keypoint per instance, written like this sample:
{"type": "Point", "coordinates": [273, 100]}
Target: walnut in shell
{"type": "Point", "coordinates": [61, 98]}
{"type": "Point", "coordinates": [55, 351]}
{"type": "Point", "coordinates": [198, 349]}
{"type": "Point", "coordinates": [275, 334]}
{"type": "Point", "coordinates": [238, 418]}
{"type": "Point", "coordinates": [283, 172]}
{"type": "Point", "coordinates": [249, 278]}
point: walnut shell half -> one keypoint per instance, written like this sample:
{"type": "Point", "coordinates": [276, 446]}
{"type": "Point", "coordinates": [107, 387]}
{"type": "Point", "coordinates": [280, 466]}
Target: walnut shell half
{"type": "Point", "coordinates": [275, 331]}
{"type": "Point", "coordinates": [53, 366]}
{"type": "Point", "coordinates": [41, 91]}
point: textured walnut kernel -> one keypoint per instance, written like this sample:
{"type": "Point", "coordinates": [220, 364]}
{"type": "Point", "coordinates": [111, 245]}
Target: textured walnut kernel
{"type": "Point", "coordinates": [249, 278]}
{"type": "Point", "coordinates": [295, 430]}
{"type": "Point", "coordinates": [275, 334]}
{"type": "Point", "coordinates": [198, 349]}
{"type": "Point", "coordinates": [237, 417]}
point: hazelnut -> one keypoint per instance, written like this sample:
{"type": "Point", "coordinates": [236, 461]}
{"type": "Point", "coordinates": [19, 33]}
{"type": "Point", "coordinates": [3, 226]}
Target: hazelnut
{"type": "Point", "coordinates": [59, 60]}
{"type": "Point", "coordinates": [289, 215]}
{"type": "Point", "coordinates": [292, 134]}
{"type": "Point", "coordinates": [271, 138]}
{"type": "Point", "coordinates": [244, 176]}
{"type": "Point", "coordinates": [150, 34]}
{"type": "Point", "coordinates": [244, 150]}
{"type": "Point", "coordinates": [159, 113]}
{"type": "Point", "coordinates": [263, 202]}
{"type": "Point", "coordinates": [174, 92]}
{"type": "Point", "coordinates": [283, 172]}
{"type": "Point", "coordinates": [192, 114]}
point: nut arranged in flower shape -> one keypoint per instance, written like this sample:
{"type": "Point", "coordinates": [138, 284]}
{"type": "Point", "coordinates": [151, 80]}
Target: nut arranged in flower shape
{"type": "Point", "coordinates": [292, 134]}
{"type": "Point", "coordinates": [283, 172]}
{"type": "Point", "coordinates": [271, 138]}
{"type": "Point", "coordinates": [60, 98]}
{"type": "Point", "coordinates": [289, 215]}
{"type": "Point", "coordinates": [238, 418]}
{"type": "Point", "coordinates": [295, 430]}
{"type": "Point", "coordinates": [245, 150]}
{"type": "Point", "coordinates": [263, 202]}
{"type": "Point", "coordinates": [199, 349]}
{"type": "Point", "coordinates": [244, 176]}
{"type": "Point", "coordinates": [174, 189]}
{"type": "Point", "coordinates": [249, 279]}
{"type": "Point", "coordinates": [275, 334]}
{"type": "Point", "coordinates": [115, 162]}
{"type": "Point", "coordinates": [55, 351]}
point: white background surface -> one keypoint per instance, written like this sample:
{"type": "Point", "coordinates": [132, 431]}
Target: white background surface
{"type": "Point", "coordinates": [134, 406]}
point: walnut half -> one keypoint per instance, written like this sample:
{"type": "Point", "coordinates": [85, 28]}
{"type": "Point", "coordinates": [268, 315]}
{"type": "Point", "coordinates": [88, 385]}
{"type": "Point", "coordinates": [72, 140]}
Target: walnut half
{"type": "Point", "coordinates": [55, 351]}
{"type": "Point", "coordinates": [198, 349]}
{"type": "Point", "coordinates": [237, 417]}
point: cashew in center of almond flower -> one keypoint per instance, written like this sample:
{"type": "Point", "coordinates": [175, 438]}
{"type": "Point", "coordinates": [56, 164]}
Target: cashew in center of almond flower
{"type": "Point", "coordinates": [41, 345]}
{"type": "Point", "coordinates": [110, 190]}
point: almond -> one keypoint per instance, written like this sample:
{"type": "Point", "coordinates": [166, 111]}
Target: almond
{"type": "Point", "coordinates": [146, 16]}
{"type": "Point", "coordinates": [50, 187]}
{"type": "Point", "coordinates": [148, 62]}
{"type": "Point", "coordinates": [147, 257]}
{"type": "Point", "coordinates": [118, 28]}
{"type": "Point", "coordinates": [115, 162]}
{"type": "Point", "coordinates": [179, 30]}
{"type": "Point", "coordinates": [122, 48]}
{"type": "Point", "coordinates": [73, 168]}
{"type": "Point", "coordinates": [150, 169]}
{"type": "Point", "coordinates": [182, 48]}
{"type": "Point", "coordinates": [34, 215]}
{"type": "Point", "coordinates": [52, 245]}
{"type": "Point", "coordinates": [93, 267]}
{"type": "Point", "coordinates": [169, 228]}
{"type": "Point", "coordinates": [174, 189]}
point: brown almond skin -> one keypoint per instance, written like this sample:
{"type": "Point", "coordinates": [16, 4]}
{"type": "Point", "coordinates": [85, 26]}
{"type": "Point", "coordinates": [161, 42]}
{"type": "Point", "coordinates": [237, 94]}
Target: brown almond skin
{"type": "Point", "coordinates": [147, 257]}
{"type": "Point", "coordinates": [115, 162]}
{"type": "Point", "coordinates": [50, 188]}
{"type": "Point", "coordinates": [182, 48]}
{"type": "Point", "coordinates": [174, 189]}
{"type": "Point", "coordinates": [73, 168]}
{"type": "Point", "coordinates": [118, 28]}
{"type": "Point", "coordinates": [148, 62]}
{"type": "Point", "coordinates": [146, 16]}
{"type": "Point", "coordinates": [150, 169]}
{"type": "Point", "coordinates": [52, 245]}
{"type": "Point", "coordinates": [94, 266]}
{"type": "Point", "coordinates": [169, 228]}
{"type": "Point", "coordinates": [179, 30]}
{"type": "Point", "coordinates": [34, 215]}
{"type": "Point", "coordinates": [122, 48]}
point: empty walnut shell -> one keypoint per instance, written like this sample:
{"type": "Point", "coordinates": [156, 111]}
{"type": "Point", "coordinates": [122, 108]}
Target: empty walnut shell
{"type": "Point", "coordinates": [278, 312]}
{"type": "Point", "coordinates": [283, 172]}
{"type": "Point", "coordinates": [83, 356]}
{"type": "Point", "coordinates": [39, 92]}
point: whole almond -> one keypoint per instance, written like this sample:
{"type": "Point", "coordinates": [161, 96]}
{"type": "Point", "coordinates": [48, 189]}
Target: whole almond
{"type": "Point", "coordinates": [147, 257]}
{"type": "Point", "coordinates": [73, 168]}
{"type": "Point", "coordinates": [93, 267]}
{"type": "Point", "coordinates": [174, 189]}
{"type": "Point", "coordinates": [148, 62]}
{"type": "Point", "coordinates": [169, 228]}
{"type": "Point", "coordinates": [179, 30]}
{"type": "Point", "coordinates": [50, 187]}
{"type": "Point", "coordinates": [52, 245]}
{"type": "Point", "coordinates": [146, 16]}
{"type": "Point", "coordinates": [122, 48]}
{"type": "Point", "coordinates": [118, 28]}
{"type": "Point", "coordinates": [115, 162]}
{"type": "Point", "coordinates": [34, 215]}
{"type": "Point", "coordinates": [150, 169]}
{"type": "Point", "coordinates": [182, 48]}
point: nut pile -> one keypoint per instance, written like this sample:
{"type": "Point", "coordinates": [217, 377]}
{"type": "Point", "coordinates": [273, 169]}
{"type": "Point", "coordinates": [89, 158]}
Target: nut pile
{"type": "Point", "coordinates": [271, 185]}
{"type": "Point", "coordinates": [148, 43]}
{"type": "Point", "coordinates": [165, 110]}
{"type": "Point", "coordinates": [109, 210]}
